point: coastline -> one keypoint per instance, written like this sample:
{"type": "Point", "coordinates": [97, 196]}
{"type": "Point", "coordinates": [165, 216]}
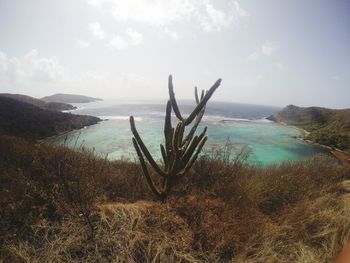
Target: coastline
{"type": "Point", "coordinates": [47, 139]}
{"type": "Point", "coordinates": [337, 153]}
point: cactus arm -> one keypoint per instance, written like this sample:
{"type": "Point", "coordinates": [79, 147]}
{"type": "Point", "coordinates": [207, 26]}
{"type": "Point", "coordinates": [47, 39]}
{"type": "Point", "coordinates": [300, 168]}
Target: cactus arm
{"type": "Point", "coordinates": [144, 148]}
{"type": "Point", "coordinates": [198, 117]}
{"type": "Point", "coordinates": [195, 125]}
{"type": "Point", "coordinates": [144, 169]}
{"type": "Point", "coordinates": [165, 159]}
{"type": "Point", "coordinates": [167, 127]}
{"type": "Point", "coordinates": [202, 94]}
{"type": "Point", "coordinates": [196, 95]}
{"type": "Point", "coordinates": [181, 135]}
{"type": "Point", "coordinates": [189, 137]}
{"type": "Point", "coordinates": [203, 133]}
{"type": "Point", "coordinates": [171, 161]}
{"type": "Point", "coordinates": [175, 163]}
{"type": "Point", "coordinates": [176, 136]}
{"type": "Point", "coordinates": [171, 140]}
{"type": "Point", "coordinates": [194, 157]}
{"type": "Point", "coordinates": [203, 102]}
{"type": "Point", "coordinates": [187, 140]}
{"type": "Point", "coordinates": [190, 149]}
{"type": "Point", "coordinates": [172, 98]}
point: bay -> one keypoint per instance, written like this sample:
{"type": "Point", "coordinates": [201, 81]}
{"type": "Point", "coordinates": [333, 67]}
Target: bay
{"type": "Point", "coordinates": [243, 126]}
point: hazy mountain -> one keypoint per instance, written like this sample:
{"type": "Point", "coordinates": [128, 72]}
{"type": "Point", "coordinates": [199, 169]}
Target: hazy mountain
{"type": "Point", "coordinates": [69, 98]}
{"type": "Point", "coordinates": [56, 106]}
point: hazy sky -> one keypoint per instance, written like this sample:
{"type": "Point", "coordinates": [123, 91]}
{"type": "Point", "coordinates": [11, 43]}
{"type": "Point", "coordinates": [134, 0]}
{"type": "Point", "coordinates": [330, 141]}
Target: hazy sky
{"type": "Point", "coordinates": [269, 52]}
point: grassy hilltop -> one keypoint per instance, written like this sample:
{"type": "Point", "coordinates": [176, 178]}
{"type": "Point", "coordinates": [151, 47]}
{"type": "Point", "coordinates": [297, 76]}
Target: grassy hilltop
{"type": "Point", "coordinates": [325, 126]}
{"type": "Point", "coordinates": [61, 205]}
{"type": "Point", "coordinates": [64, 205]}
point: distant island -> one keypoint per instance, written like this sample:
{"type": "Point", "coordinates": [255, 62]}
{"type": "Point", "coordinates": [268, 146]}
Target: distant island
{"type": "Point", "coordinates": [69, 98]}
{"type": "Point", "coordinates": [324, 126]}
{"type": "Point", "coordinates": [55, 106]}
{"type": "Point", "coordinates": [29, 118]}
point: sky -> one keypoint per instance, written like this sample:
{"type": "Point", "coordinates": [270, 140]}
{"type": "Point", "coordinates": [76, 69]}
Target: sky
{"type": "Point", "coordinates": [268, 52]}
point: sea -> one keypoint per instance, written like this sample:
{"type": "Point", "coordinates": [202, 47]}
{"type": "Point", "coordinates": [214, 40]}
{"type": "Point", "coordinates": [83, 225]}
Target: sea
{"type": "Point", "coordinates": [242, 127]}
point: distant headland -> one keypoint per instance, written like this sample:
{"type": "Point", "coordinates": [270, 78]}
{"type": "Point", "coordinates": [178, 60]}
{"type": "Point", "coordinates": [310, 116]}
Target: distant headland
{"type": "Point", "coordinates": [324, 126]}
{"type": "Point", "coordinates": [35, 119]}
{"type": "Point", "coordinates": [69, 98]}
{"type": "Point", "coordinates": [55, 106]}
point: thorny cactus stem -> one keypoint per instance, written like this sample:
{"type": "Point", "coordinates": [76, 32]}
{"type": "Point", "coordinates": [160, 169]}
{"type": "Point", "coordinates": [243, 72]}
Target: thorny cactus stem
{"type": "Point", "coordinates": [180, 152]}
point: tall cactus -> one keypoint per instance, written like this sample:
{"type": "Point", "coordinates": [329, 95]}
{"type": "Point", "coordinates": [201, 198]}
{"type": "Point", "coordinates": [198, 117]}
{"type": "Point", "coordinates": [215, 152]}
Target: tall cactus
{"type": "Point", "coordinates": [179, 152]}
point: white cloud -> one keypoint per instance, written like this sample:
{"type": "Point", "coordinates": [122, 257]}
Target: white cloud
{"type": "Point", "coordinates": [268, 48]}
{"type": "Point", "coordinates": [153, 12]}
{"type": "Point", "coordinates": [239, 10]}
{"type": "Point", "coordinates": [96, 30]}
{"type": "Point", "coordinates": [29, 68]}
{"type": "Point", "coordinates": [214, 19]}
{"type": "Point", "coordinates": [34, 73]}
{"type": "Point", "coordinates": [82, 44]}
{"type": "Point", "coordinates": [131, 38]}
{"type": "Point", "coordinates": [118, 42]}
{"type": "Point", "coordinates": [96, 3]}
{"type": "Point", "coordinates": [253, 57]}
{"type": "Point", "coordinates": [38, 76]}
{"type": "Point", "coordinates": [135, 38]}
{"type": "Point", "coordinates": [170, 34]}
{"type": "Point", "coordinates": [163, 13]}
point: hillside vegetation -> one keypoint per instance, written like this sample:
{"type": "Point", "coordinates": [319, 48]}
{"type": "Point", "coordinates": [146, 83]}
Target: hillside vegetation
{"type": "Point", "coordinates": [26, 120]}
{"type": "Point", "coordinates": [69, 98]}
{"type": "Point", "coordinates": [325, 126]}
{"type": "Point", "coordinates": [55, 106]}
{"type": "Point", "coordinates": [63, 205]}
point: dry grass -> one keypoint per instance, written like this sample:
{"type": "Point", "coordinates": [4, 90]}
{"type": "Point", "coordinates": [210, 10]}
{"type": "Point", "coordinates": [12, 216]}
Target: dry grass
{"type": "Point", "coordinates": [59, 205]}
{"type": "Point", "coordinates": [312, 231]}
{"type": "Point", "coordinates": [137, 232]}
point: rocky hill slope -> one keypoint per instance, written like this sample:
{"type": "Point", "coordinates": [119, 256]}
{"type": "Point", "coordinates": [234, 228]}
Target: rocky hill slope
{"type": "Point", "coordinates": [56, 106]}
{"type": "Point", "coordinates": [32, 122]}
{"type": "Point", "coordinates": [325, 126]}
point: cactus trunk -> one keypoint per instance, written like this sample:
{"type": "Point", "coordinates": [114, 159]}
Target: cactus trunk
{"type": "Point", "coordinates": [180, 152]}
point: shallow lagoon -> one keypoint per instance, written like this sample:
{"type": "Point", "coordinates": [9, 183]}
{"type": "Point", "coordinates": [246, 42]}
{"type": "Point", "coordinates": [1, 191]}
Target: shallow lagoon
{"type": "Point", "coordinates": [268, 142]}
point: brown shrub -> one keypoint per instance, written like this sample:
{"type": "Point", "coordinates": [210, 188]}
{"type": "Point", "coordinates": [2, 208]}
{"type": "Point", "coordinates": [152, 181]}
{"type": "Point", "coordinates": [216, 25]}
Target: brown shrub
{"type": "Point", "coordinates": [219, 230]}
{"type": "Point", "coordinates": [135, 232]}
{"type": "Point", "coordinates": [62, 205]}
{"type": "Point", "coordinates": [313, 231]}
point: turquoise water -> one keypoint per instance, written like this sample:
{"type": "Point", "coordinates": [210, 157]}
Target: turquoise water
{"type": "Point", "coordinates": [268, 142]}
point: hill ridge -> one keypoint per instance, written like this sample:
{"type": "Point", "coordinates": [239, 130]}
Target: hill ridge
{"type": "Point", "coordinates": [69, 98]}
{"type": "Point", "coordinates": [56, 106]}
{"type": "Point", "coordinates": [28, 121]}
{"type": "Point", "coordinates": [330, 127]}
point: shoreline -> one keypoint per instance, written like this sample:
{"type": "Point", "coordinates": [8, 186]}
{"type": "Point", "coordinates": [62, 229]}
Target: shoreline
{"type": "Point", "coordinates": [46, 139]}
{"type": "Point", "coordinates": [335, 152]}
